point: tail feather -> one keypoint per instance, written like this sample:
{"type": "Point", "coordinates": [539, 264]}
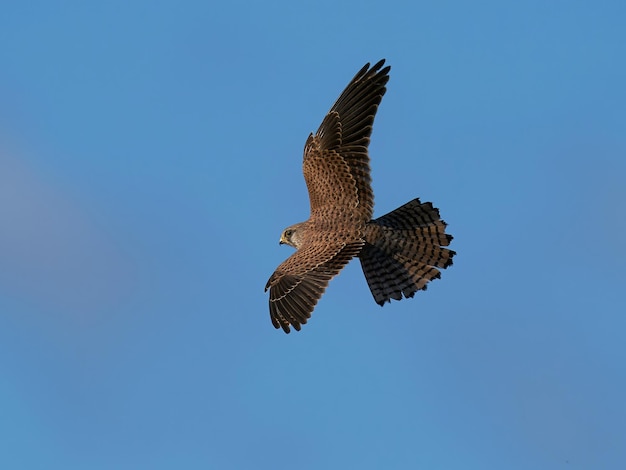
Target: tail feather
{"type": "Point", "coordinates": [403, 250]}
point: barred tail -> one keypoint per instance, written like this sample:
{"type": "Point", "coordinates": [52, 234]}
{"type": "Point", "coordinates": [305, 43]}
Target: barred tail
{"type": "Point", "coordinates": [403, 250]}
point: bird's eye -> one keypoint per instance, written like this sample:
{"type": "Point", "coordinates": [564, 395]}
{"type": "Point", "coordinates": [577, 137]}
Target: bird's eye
{"type": "Point", "coordinates": [288, 233]}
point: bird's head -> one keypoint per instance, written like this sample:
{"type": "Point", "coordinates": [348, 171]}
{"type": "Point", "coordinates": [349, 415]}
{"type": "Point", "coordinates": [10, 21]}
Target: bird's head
{"type": "Point", "coordinates": [292, 236]}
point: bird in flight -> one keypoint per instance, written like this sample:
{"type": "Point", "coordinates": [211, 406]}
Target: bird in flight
{"type": "Point", "coordinates": [399, 252]}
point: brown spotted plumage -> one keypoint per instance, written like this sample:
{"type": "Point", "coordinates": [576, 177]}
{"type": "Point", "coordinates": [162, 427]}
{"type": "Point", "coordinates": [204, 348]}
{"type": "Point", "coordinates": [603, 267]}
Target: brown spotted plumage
{"type": "Point", "coordinates": [399, 252]}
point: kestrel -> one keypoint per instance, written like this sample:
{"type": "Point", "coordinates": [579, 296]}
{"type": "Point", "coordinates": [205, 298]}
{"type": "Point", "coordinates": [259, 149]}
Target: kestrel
{"type": "Point", "coordinates": [399, 252]}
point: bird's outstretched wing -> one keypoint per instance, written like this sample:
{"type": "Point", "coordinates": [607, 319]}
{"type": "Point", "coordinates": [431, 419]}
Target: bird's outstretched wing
{"type": "Point", "coordinates": [299, 282]}
{"type": "Point", "coordinates": [336, 161]}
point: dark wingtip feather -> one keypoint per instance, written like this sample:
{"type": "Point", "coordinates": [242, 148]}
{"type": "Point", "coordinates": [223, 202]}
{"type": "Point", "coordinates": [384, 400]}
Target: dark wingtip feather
{"type": "Point", "coordinates": [450, 261]}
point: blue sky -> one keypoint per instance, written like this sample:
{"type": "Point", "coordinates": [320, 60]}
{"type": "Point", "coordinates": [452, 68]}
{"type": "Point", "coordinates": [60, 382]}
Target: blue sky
{"type": "Point", "coordinates": [150, 156]}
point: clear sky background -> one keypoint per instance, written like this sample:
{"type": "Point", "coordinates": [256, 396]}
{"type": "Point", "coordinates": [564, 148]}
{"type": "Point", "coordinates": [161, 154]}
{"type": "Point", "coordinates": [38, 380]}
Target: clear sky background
{"type": "Point", "coordinates": [150, 156]}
